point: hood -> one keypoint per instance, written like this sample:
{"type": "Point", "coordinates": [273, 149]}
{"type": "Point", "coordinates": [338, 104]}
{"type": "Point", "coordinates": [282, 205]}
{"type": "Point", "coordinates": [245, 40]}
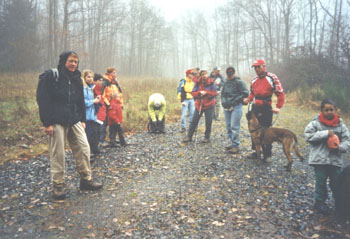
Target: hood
{"type": "Point", "coordinates": [63, 59]}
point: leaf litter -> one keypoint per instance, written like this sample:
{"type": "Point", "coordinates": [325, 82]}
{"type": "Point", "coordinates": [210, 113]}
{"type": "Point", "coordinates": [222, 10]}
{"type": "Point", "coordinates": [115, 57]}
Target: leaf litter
{"type": "Point", "coordinates": [159, 187]}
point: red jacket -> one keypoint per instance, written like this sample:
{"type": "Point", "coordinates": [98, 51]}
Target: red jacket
{"type": "Point", "coordinates": [115, 113]}
{"type": "Point", "coordinates": [101, 108]}
{"type": "Point", "coordinates": [261, 90]}
{"type": "Point", "coordinates": [208, 100]}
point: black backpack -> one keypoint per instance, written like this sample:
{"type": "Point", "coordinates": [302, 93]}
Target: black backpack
{"type": "Point", "coordinates": [342, 202]}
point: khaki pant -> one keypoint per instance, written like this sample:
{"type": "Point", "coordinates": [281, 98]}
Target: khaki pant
{"type": "Point", "coordinates": [80, 147]}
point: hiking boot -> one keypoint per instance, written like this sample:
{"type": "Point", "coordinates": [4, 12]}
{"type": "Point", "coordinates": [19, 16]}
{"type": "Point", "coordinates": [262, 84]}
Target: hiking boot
{"type": "Point", "coordinates": [113, 144]}
{"type": "Point", "coordinates": [234, 150]}
{"type": "Point", "coordinates": [96, 152]}
{"type": "Point", "coordinates": [187, 139]}
{"type": "Point", "coordinates": [182, 130]}
{"type": "Point", "coordinates": [228, 147]}
{"type": "Point", "coordinates": [103, 144]}
{"type": "Point", "coordinates": [89, 185]}
{"type": "Point", "coordinates": [58, 192]}
{"type": "Point", "coordinates": [253, 156]}
{"type": "Point", "coordinates": [205, 141]}
{"type": "Point", "coordinates": [321, 207]}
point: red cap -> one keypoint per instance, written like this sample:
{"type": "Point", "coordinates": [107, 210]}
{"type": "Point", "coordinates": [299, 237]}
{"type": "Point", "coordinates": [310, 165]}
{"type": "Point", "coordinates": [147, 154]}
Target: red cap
{"type": "Point", "coordinates": [333, 142]}
{"type": "Point", "coordinates": [189, 71]}
{"type": "Point", "coordinates": [258, 62]}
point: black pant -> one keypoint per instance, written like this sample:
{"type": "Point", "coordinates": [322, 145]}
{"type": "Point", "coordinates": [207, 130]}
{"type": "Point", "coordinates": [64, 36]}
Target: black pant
{"type": "Point", "coordinates": [113, 130]}
{"type": "Point", "coordinates": [158, 126]}
{"type": "Point", "coordinates": [92, 134]}
{"type": "Point", "coordinates": [264, 114]}
{"type": "Point", "coordinates": [209, 114]}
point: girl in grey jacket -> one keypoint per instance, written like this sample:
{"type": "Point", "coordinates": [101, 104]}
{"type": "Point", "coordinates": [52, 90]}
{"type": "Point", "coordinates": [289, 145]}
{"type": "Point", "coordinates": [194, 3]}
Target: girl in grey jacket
{"type": "Point", "coordinates": [327, 162]}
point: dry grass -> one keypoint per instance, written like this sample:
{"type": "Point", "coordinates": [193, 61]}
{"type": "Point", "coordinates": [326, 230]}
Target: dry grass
{"type": "Point", "coordinates": [21, 135]}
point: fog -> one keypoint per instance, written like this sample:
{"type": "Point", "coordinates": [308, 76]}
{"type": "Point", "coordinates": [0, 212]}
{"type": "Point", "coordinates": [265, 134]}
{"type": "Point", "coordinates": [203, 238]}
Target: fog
{"type": "Point", "coordinates": [140, 38]}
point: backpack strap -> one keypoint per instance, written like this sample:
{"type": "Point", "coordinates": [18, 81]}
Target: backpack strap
{"type": "Point", "coordinates": [55, 74]}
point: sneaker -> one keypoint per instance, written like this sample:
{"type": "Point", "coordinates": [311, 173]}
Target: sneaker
{"type": "Point", "coordinates": [182, 130]}
{"type": "Point", "coordinates": [205, 141]}
{"type": "Point", "coordinates": [89, 185]}
{"type": "Point", "coordinates": [58, 192]}
{"type": "Point", "coordinates": [228, 147]}
{"type": "Point", "coordinates": [253, 156]}
{"type": "Point", "coordinates": [187, 139]}
{"type": "Point", "coordinates": [321, 207]}
{"type": "Point", "coordinates": [234, 150]}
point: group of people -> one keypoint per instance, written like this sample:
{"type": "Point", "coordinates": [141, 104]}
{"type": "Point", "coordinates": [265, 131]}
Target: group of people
{"type": "Point", "coordinates": [79, 107]}
{"type": "Point", "coordinates": [207, 94]}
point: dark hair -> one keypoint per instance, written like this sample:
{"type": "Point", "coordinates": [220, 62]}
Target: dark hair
{"type": "Point", "coordinates": [200, 73]}
{"type": "Point", "coordinates": [327, 102]}
{"type": "Point", "coordinates": [97, 77]}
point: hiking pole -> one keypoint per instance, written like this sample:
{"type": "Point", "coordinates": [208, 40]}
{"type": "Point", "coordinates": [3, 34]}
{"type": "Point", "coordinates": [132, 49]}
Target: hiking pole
{"type": "Point", "coordinates": [199, 115]}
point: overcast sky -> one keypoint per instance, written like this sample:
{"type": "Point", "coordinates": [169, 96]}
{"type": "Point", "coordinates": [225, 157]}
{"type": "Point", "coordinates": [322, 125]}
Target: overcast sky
{"type": "Point", "coordinates": [173, 9]}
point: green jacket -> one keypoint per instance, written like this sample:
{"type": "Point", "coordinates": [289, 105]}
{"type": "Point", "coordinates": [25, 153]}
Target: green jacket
{"type": "Point", "coordinates": [233, 92]}
{"type": "Point", "coordinates": [316, 134]}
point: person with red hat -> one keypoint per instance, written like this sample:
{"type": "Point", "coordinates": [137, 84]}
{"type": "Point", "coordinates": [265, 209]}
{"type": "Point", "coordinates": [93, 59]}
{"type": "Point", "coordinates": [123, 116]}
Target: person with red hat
{"type": "Point", "coordinates": [262, 87]}
{"type": "Point", "coordinates": [330, 140]}
{"type": "Point", "coordinates": [184, 94]}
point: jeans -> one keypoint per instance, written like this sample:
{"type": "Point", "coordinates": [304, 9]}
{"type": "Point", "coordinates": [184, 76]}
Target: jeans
{"type": "Point", "coordinates": [103, 131]}
{"type": "Point", "coordinates": [233, 124]}
{"type": "Point", "coordinates": [209, 113]}
{"type": "Point", "coordinates": [217, 106]}
{"type": "Point", "coordinates": [91, 130]}
{"type": "Point", "coordinates": [322, 172]}
{"type": "Point", "coordinates": [189, 105]}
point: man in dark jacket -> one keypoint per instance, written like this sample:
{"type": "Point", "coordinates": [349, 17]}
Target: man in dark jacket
{"type": "Point", "coordinates": [62, 111]}
{"type": "Point", "coordinates": [232, 95]}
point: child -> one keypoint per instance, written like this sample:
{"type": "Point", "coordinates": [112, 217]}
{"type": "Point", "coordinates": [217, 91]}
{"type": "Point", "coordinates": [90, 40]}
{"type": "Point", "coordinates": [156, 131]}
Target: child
{"type": "Point", "coordinates": [92, 126]}
{"type": "Point", "coordinates": [115, 118]}
{"type": "Point", "coordinates": [100, 108]}
{"type": "Point", "coordinates": [327, 162]}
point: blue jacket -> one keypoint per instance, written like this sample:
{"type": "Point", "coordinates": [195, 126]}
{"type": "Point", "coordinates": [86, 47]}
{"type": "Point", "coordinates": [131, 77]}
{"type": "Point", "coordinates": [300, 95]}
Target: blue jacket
{"type": "Point", "coordinates": [89, 102]}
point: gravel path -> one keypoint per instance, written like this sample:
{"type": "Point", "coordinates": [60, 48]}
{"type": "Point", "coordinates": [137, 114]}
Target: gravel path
{"type": "Point", "coordinates": [157, 187]}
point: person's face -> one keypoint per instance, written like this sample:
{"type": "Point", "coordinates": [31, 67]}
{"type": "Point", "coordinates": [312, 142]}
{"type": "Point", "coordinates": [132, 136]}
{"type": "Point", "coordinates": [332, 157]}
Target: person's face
{"type": "Point", "coordinates": [190, 76]}
{"type": "Point", "coordinates": [259, 69]}
{"type": "Point", "coordinates": [89, 78]}
{"type": "Point", "coordinates": [72, 63]}
{"type": "Point", "coordinates": [328, 111]}
{"type": "Point", "coordinates": [114, 74]}
{"type": "Point", "coordinates": [216, 72]}
{"type": "Point", "coordinates": [98, 82]}
{"type": "Point", "coordinates": [230, 76]}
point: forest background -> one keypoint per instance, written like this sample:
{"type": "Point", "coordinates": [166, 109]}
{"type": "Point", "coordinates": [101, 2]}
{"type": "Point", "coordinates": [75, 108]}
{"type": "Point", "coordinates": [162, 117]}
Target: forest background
{"type": "Point", "coordinates": [306, 43]}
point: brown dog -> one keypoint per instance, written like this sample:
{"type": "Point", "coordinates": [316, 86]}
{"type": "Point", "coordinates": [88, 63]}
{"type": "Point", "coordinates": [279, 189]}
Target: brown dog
{"type": "Point", "coordinates": [261, 136]}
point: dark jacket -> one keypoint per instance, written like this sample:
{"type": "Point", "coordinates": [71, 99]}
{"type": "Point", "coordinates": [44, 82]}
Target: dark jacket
{"type": "Point", "coordinates": [62, 101]}
{"type": "Point", "coordinates": [233, 92]}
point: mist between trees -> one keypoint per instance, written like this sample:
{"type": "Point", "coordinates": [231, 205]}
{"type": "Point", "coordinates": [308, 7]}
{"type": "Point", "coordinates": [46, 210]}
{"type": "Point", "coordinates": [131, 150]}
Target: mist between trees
{"type": "Point", "coordinates": [133, 36]}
